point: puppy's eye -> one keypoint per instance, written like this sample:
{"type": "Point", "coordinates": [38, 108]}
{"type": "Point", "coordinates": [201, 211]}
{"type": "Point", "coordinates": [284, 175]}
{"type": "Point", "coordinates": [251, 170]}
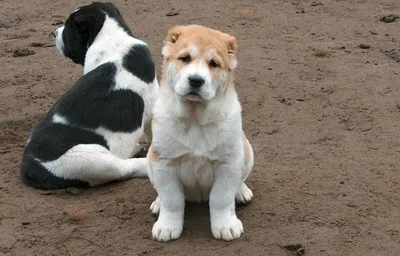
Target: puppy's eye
{"type": "Point", "coordinates": [185, 58]}
{"type": "Point", "coordinates": [213, 64]}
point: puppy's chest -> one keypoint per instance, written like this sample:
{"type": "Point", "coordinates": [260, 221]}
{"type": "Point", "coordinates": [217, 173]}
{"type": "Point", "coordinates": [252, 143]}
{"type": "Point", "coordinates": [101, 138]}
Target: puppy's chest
{"type": "Point", "coordinates": [181, 139]}
{"type": "Point", "coordinates": [202, 141]}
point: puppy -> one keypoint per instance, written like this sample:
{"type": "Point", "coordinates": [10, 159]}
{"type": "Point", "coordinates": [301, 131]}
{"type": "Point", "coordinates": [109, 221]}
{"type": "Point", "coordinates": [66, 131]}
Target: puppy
{"type": "Point", "coordinates": [89, 135]}
{"type": "Point", "coordinates": [199, 151]}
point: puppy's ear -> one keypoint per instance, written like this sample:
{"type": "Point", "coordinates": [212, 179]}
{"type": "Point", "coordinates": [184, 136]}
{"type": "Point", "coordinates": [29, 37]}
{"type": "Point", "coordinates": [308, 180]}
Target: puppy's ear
{"type": "Point", "coordinates": [174, 33]}
{"type": "Point", "coordinates": [172, 37]}
{"type": "Point", "coordinates": [88, 26]}
{"type": "Point", "coordinates": [83, 22]}
{"type": "Point", "coordinates": [232, 48]}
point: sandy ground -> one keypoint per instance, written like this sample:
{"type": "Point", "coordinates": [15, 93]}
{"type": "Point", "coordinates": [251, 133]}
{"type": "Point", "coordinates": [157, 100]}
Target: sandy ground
{"type": "Point", "coordinates": [323, 116]}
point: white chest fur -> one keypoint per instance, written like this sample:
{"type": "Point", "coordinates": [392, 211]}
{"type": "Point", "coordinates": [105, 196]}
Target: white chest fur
{"type": "Point", "coordinates": [196, 175]}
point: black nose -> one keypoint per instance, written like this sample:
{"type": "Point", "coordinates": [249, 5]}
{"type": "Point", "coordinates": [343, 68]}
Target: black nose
{"type": "Point", "coordinates": [196, 81]}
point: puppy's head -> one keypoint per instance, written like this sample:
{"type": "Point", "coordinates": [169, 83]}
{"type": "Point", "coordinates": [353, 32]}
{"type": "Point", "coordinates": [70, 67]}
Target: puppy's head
{"type": "Point", "coordinates": [81, 28]}
{"type": "Point", "coordinates": [198, 62]}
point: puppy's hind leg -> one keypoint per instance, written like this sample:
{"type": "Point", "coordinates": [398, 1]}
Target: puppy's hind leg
{"type": "Point", "coordinates": [96, 165]}
{"type": "Point", "coordinates": [155, 206]}
{"type": "Point", "coordinates": [244, 194]}
{"type": "Point", "coordinates": [145, 141]}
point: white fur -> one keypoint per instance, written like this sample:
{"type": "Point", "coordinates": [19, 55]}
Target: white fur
{"type": "Point", "coordinates": [198, 160]}
{"type": "Point", "coordinates": [59, 119]}
{"type": "Point", "coordinates": [166, 50]}
{"type": "Point", "coordinates": [122, 144]}
{"type": "Point", "coordinates": [193, 50]}
{"type": "Point", "coordinates": [112, 43]}
{"type": "Point", "coordinates": [232, 61]}
{"type": "Point", "coordinates": [59, 40]}
{"type": "Point", "coordinates": [94, 163]}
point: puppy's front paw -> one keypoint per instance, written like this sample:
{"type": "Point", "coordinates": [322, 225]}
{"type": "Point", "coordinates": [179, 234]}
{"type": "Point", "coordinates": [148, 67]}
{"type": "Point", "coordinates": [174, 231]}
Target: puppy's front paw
{"type": "Point", "coordinates": [165, 231]}
{"type": "Point", "coordinates": [244, 194]}
{"type": "Point", "coordinates": [227, 228]}
{"type": "Point", "coordinates": [155, 206]}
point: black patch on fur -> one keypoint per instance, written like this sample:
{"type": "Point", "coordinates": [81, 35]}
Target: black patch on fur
{"type": "Point", "coordinates": [51, 140]}
{"type": "Point", "coordinates": [140, 63]}
{"type": "Point", "coordinates": [92, 102]}
{"type": "Point", "coordinates": [82, 27]}
{"type": "Point", "coordinates": [35, 175]}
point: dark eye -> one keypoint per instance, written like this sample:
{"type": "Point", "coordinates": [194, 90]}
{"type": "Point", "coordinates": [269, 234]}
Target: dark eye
{"type": "Point", "coordinates": [213, 64]}
{"type": "Point", "coordinates": [185, 58]}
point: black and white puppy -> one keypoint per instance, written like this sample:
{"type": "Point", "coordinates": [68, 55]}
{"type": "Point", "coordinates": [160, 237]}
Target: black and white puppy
{"type": "Point", "coordinates": [89, 136]}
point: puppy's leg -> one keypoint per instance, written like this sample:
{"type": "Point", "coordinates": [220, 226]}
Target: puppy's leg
{"type": "Point", "coordinates": [224, 223]}
{"type": "Point", "coordinates": [148, 133]}
{"type": "Point", "coordinates": [145, 141]}
{"type": "Point", "coordinates": [171, 199]}
{"type": "Point", "coordinates": [96, 165]}
{"type": "Point", "coordinates": [244, 194]}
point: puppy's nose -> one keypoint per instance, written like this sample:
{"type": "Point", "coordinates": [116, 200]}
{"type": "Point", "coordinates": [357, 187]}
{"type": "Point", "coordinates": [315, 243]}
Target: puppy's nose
{"type": "Point", "coordinates": [196, 81]}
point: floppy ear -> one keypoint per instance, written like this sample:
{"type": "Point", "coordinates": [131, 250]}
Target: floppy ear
{"type": "Point", "coordinates": [232, 47]}
{"type": "Point", "coordinates": [172, 37]}
{"type": "Point", "coordinates": [174, 33]}
{"type": "Point", "coordinates": [88, 26]}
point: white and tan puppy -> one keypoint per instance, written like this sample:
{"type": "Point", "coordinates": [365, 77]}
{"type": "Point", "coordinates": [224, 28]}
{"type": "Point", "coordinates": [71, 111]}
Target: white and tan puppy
{"type": "Point", "coordinates": [199, 151]}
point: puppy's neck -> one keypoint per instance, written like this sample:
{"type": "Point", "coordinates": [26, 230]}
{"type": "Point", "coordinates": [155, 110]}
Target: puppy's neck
{"type": "Point", "coordinates": [110, 45]}
{"type": "Point", "coordinates": [191, 110]}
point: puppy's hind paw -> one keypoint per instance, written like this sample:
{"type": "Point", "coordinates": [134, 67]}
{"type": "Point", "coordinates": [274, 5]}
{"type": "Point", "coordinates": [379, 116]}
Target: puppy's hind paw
{"type": "Point", "coordinates": [244, 194]}
{"type": "Point", "coordinates": [155, 206]}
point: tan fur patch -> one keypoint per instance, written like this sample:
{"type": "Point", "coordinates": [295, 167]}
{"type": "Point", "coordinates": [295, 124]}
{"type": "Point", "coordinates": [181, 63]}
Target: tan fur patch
{"type": "Point", "coordinates": [152, 154]}
{"type": "Point", "coordinates": [246, 147]}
